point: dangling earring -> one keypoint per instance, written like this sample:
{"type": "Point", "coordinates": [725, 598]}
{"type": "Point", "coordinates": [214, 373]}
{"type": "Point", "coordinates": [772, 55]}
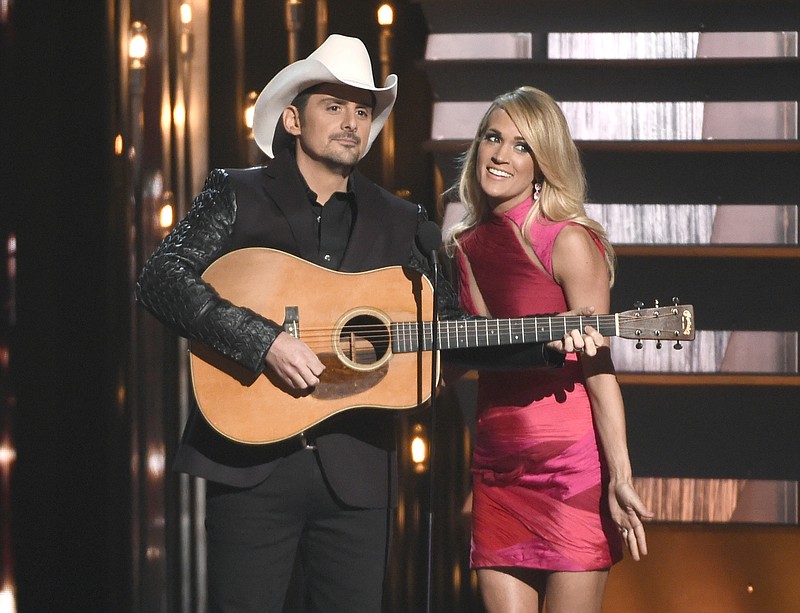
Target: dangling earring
{"type": "Point", "coordinates": [537, 187]}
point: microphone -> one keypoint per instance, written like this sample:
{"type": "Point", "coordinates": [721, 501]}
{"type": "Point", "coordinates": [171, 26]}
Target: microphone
{"type": "Point", "coordinates": [429, 239]}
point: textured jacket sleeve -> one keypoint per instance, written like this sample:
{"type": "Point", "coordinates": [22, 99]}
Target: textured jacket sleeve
{"type": "Point", "coordinates": [509, 357]}
{"type": "Point", "coordinates": [171, 287]}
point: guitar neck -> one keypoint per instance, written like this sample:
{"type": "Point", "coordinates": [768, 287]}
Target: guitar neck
{"type": "Point", "coordinates": [463, 333]}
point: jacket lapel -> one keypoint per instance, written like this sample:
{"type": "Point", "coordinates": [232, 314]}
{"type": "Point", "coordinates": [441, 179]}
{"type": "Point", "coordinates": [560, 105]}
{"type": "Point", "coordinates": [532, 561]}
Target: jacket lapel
{"type": "Point", "coordinates": [287, 191]}
{"type": "Point", "coordinates": [367, 225]}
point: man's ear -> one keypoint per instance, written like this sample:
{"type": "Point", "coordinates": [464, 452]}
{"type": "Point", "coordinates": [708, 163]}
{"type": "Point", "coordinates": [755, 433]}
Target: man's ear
{"type": "Point", "coordinates": [291, 120]}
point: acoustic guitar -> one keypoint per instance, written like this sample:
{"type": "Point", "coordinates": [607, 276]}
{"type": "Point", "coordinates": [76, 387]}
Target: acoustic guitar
{"type": "Point", "coordinates": [373, 331]}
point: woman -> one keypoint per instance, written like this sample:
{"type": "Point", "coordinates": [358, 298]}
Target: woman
{"type": "Point", "coordinates": [552, 484]}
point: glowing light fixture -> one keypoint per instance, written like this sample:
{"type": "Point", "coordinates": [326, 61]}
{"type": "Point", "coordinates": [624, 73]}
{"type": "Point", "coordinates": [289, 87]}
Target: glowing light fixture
{"type": "Point", "coordinates": [385, 15]}
{"type": "Point", "coordinates": [186, 13]}
{"type": "Point", "coordinates": [7, 454]}
{"type": "Point", "coordinates": [249, 109]}
{"type": "Point", "coordinates": [186, 37]}
{"type": "Point", "coordinates": [137, 45]}
{"type": "Point", "coordinates": [8, 599]}
{"type": "Point", "coordinates": [167, 216]}
{"type": "Point", "coordinates": [419, 449]}
{"type": "Point", "coordinates": [179, 114]}
{"type": "Point", "coordinates": [385, 20]}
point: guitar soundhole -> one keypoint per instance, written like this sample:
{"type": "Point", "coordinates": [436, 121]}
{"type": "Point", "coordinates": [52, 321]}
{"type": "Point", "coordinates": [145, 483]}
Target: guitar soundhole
{"type": "Point", "coordinates": [363, 342]}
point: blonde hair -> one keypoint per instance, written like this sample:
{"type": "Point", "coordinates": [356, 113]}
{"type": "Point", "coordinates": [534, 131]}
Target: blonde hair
{"type": "Point", "coordinates": [558, 168]}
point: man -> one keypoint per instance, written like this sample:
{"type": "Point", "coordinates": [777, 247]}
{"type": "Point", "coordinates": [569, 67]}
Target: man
{"type": "Point", "coordinates": [326, 495]}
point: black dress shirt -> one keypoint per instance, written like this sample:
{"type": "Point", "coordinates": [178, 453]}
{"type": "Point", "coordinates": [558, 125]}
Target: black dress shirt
{"type": "Point", "coordinates": [334, 223]}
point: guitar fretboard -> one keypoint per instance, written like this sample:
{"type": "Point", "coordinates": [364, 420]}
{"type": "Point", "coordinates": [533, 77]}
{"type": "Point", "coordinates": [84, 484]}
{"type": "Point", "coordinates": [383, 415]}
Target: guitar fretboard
{"type": "Point", "coordinates": [463, 333]}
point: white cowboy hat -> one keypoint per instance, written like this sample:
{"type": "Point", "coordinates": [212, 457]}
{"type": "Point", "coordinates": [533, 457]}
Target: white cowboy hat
{"type": "Point", "coordinates": [340, 59]}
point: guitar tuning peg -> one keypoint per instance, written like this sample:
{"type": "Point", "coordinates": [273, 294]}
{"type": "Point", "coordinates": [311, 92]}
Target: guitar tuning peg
{"type": "Point", "coordinates": [638, 344]}
{"type": "Point", "coordinates": [656, 303]}
{"type": "Point", "coordinates": [638, 304]}
{"type": "Point", "coordinates": [675, 300]}
{"type": "Point", "coordinates": [658, 344]}
{"type": "Point", "coordinates": [677, 345]}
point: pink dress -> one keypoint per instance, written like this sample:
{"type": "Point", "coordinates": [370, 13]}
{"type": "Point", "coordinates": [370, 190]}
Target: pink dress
{"type": "Point", "coordinates": [539, 480]}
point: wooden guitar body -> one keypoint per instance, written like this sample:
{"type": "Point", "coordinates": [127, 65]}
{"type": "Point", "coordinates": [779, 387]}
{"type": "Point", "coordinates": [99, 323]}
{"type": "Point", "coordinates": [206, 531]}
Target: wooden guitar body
{"type": "Point", "coordinates": [343, 317]}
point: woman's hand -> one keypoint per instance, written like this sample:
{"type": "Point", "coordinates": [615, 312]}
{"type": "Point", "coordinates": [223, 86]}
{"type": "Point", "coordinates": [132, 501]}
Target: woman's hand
{"type": "Point", "coordinates": [586, 341]}
{"type": "Point", "coordinates": [628, 512]}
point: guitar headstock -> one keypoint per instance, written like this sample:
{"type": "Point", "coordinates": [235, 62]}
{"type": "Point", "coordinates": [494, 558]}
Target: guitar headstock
{"type": "Point", "coordinates": [673, 322]}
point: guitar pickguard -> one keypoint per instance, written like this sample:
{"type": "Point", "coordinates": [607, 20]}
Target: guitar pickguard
{"type": "Point", "coordinates": [339, 381]}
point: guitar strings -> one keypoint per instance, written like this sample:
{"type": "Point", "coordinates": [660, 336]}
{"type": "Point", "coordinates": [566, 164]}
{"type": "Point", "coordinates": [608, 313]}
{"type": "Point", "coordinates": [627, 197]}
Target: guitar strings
{"type": "Point", "coordinates": [382, 332]}
{"type": "Point", "coordinates": [570, 322]}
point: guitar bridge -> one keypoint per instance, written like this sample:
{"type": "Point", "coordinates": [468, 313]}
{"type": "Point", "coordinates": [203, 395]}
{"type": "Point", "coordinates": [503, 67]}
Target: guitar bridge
{"type": "Point", "coordinates": [291, 320]}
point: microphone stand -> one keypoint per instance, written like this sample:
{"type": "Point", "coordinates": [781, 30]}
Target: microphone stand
{"type": "Point", "coordinates": [434, 257]}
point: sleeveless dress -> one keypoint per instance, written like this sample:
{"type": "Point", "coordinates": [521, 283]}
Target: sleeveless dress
{"type": "Point", "coordinates": [539, 480]}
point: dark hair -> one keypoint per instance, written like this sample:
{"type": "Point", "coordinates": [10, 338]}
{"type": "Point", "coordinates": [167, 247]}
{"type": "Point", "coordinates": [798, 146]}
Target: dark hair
{"type": "Point", "coordinates": [301, 100]}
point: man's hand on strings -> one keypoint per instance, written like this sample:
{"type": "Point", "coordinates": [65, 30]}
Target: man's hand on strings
{"type": "Point", "coordinates": [294, 362]}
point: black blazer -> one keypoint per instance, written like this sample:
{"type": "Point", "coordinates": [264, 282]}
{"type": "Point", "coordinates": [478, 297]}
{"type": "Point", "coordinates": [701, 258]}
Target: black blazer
{"type": "Point", "coordinates": [268, 207]}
